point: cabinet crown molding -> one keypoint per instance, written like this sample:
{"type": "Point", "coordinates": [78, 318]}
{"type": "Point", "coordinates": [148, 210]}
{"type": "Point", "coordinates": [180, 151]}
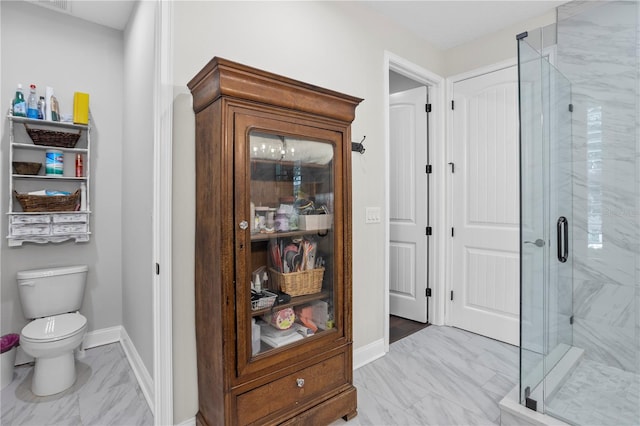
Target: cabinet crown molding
{"type": "Point", "coordinates": [221, 77]}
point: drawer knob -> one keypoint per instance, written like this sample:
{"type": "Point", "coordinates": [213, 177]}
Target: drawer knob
{"type": "Point", "coordinates": [244, 225]}
{"type": "Point", "coordinates": [300, 383]}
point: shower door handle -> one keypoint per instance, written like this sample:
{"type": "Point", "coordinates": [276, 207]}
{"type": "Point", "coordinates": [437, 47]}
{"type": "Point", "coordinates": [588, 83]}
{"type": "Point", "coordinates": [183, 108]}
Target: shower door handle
{"type": "Point", "coordinates": [562, 229]}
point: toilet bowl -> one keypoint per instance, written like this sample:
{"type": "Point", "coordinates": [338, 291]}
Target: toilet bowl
{"type": "Point", "coordinates": [52, 341]}
{"type": "Point", "coordinates": [52, 298]}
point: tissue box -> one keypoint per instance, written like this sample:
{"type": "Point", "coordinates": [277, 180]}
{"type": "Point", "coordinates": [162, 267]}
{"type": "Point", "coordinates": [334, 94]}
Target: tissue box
{"type": "Point", "coordinates": [315, 221]}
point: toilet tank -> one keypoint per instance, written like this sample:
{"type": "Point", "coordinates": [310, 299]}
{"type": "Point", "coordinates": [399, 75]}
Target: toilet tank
{"type": "Point", "coordinates": [52, 291]}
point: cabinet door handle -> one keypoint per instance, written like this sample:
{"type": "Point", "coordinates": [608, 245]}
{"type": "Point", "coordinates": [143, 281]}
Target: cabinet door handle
{"type": "Point", "coordinates": [300, 383]}
{"type": "Point", "coordinates": [243, 225]}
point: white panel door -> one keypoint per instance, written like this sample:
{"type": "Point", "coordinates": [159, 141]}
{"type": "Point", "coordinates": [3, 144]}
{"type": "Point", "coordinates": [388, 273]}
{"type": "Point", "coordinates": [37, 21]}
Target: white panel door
{"type": "Point", "coordinates": [408, 205]}
{"type": "Point", "coordinates": [485, 206]}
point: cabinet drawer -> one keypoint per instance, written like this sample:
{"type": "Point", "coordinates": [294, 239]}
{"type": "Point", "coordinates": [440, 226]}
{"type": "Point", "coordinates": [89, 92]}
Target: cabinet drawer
{"type": "Point", "coordinates": [69, 217]}
{"type": "Point", "coordinates": [291, 390]}
{"type": "Point", "coordinates": [68, 228]}
{"type": "Point", "coordinates": [37, 218]}
{"type": "Point", "coordinates": [30, 229]}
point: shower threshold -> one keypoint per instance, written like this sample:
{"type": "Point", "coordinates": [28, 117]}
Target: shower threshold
{"type": "Point", "coordinates": [512, 413]}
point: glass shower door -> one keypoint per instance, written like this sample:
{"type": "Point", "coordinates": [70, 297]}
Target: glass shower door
{"type": "Point", "coordinates": [546, 214]}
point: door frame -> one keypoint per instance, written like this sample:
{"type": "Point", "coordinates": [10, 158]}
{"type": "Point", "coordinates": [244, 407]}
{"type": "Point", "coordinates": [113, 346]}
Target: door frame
{"type": "Point", "coordinates": [162, 225]}
{"type": "Point", "coordinates": [436, 86]}
{"type": "Point", "coordinates": [448, 244]}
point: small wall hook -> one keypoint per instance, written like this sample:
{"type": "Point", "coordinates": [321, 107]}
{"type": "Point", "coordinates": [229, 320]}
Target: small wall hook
{"type": "Point", "coordinates": [358, 146]}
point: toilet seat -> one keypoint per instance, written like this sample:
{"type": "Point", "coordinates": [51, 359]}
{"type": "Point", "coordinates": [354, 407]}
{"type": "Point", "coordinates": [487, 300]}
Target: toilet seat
{"type": "Point", "coordinates": [51, 329]}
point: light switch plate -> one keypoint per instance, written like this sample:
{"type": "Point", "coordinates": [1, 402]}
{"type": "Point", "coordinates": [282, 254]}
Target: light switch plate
{"type": "Point", "coordinates": [372, 215]}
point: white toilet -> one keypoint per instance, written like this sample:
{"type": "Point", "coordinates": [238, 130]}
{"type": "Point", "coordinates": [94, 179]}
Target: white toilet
{"type": "Point", "coordinates": [52, 297]}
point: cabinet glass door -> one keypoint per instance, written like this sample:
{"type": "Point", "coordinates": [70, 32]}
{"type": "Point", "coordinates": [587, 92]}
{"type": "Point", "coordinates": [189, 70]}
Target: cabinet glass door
{"type": "Point", "coordinates": [292, 239]}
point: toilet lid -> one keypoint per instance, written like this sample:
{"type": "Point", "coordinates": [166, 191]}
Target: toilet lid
{"type": "Point", "coordinates": [54, 328]}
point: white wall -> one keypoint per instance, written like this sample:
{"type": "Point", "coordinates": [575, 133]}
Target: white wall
{"type": "Point", "coordinates": [137, 180]}
{"type": "Point", "coordinates": [52, 49]}
{"type": "Point", "coordinates": [492, 48]}
{"type": "Point", "coordinates": [335, 45]}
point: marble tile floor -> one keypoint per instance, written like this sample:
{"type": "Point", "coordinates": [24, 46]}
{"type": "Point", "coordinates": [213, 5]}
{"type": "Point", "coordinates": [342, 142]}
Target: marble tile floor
{"type": "Point", "coordinates": [596, 393]}
{"type": "Point", "coordinates": [436, 376]}
{"type": "Point", "coordinates": [106, 392]}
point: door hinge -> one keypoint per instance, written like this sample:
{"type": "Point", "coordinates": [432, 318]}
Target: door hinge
{"type": "Point", "coordinates": [453, 232]}
{"type": "Point", "coordinates": [452, 104]}
{"type": "Point", "coordinates": [451, 295]}
{"type": "Point", "coordinates": [429, 230]}
{"type": "Point", "coordinates": [427, 107]}
{"type": "Point", "coordinates": [428, 169]}
{"type": "Point", "coordinates": [157, 269]}
{"type": "Point", "coordinates": [571, 320]}
{"type": "Point", "coordinates": [570, 107]}
{"type": "Point", "coordinates": [427, 292]}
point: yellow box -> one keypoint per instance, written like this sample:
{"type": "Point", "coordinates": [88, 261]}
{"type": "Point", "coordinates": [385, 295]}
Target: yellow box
{"type": "Point", "coordinates": [81, 108]}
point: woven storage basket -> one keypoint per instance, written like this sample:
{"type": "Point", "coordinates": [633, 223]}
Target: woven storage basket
{"type": "Point", "coordinates": [298, 283]}
{"type": "Point", "coordinates": [26, 168]}
{"type": "Point", "coordinates": [53, 138]}
{"type": "Point", "coordinates": [48, 203]}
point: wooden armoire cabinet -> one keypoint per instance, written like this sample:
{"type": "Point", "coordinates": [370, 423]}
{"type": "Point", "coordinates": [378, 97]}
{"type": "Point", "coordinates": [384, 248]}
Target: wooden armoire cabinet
{"type": "Point", "coordinates": [273, 248]}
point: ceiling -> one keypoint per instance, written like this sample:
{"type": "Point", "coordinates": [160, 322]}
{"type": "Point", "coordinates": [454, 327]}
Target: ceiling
{"type": "Point", "coordinates": [445, 24]}
{"type": "Point", "coordinates": [110, 13]}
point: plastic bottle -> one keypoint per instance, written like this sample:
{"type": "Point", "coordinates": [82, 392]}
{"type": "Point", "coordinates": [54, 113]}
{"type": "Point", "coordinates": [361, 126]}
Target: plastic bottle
{"type": "Point", "coordinates": [79, 166]}
{"type": "Point", "coordinates": [55, 109]}
{"type": "Point", "coordinates": [83, 196]}
{"type": "Point", "coordinates": [19, 104]}
{"type": "Point", "coordinates": [32, 103]}
{"type": "Point", "coordinates": [41, 108]}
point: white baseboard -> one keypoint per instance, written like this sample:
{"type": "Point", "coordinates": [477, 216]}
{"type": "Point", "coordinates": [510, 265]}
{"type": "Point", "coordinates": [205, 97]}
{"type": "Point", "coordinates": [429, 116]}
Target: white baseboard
{"type": "Point", "coordinates": [368, 353]}
{"type": "Point", "coordinates": [188, 422]}
{"type": "Point", "coordinates": [104, 336]}
{"type": "Point", "coordinates": [142, 374]}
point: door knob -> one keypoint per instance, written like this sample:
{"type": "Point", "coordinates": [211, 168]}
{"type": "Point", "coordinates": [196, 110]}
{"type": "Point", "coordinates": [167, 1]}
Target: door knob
{"type": "Point", "coordinates": [243, 225]}
{"type": "Point", "coordinates": [538, 243]}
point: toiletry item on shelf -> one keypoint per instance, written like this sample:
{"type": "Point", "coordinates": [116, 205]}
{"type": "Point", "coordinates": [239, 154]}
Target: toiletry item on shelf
{"type": "Point", "coordinates": [32, 103]}
{"type": "Point", "coordinates": [54, 165]}
{"type": "Point", "coordinates": [47, 103]}
{"type": "Point", "coordinates": [79, 166]}
{"type": "Point", "coordinates": [55, 109]}
{"type": "Point", "coordinates": [81, 108]}
{"type": "Point", "coordinates": [41, 104]}
{"type": "Point", "coordinates": [19, 104]}
{"type": "Point", "coordinates": [50, 192]}
{"type": "Point", "coordinates": [83, 196]}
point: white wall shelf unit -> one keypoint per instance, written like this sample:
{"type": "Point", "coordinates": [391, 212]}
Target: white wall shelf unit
{"type": "Point", "coordinates": [47, 226]}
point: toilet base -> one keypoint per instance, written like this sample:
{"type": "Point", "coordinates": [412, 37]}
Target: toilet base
{"type": "Point", "coordinates": [53, 375]}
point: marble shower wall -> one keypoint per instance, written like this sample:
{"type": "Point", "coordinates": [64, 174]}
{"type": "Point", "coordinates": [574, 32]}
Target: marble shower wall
{"type": "Point", "coordinates": [598, 49]}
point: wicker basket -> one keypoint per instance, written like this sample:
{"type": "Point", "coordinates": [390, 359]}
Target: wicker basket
{"type": "Point", "coordinates": [298, 283]}
{"type": "Point", "coordinates": [48, 203]}
{"type": "Point", "coordinates": [53, 138]}
{"type": "Point", "coordinates": [26, 168]}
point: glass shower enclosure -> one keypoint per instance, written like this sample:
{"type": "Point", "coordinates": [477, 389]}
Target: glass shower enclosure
{"type": "Point", "coordinates": [546, 216]}
{"type": "Point", "coordinates": [579, 105]}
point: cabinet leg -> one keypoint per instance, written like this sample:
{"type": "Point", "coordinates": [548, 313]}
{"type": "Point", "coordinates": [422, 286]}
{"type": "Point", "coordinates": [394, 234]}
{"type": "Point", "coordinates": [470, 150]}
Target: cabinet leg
{"type": "Point", "coordinates": [350, 415]}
